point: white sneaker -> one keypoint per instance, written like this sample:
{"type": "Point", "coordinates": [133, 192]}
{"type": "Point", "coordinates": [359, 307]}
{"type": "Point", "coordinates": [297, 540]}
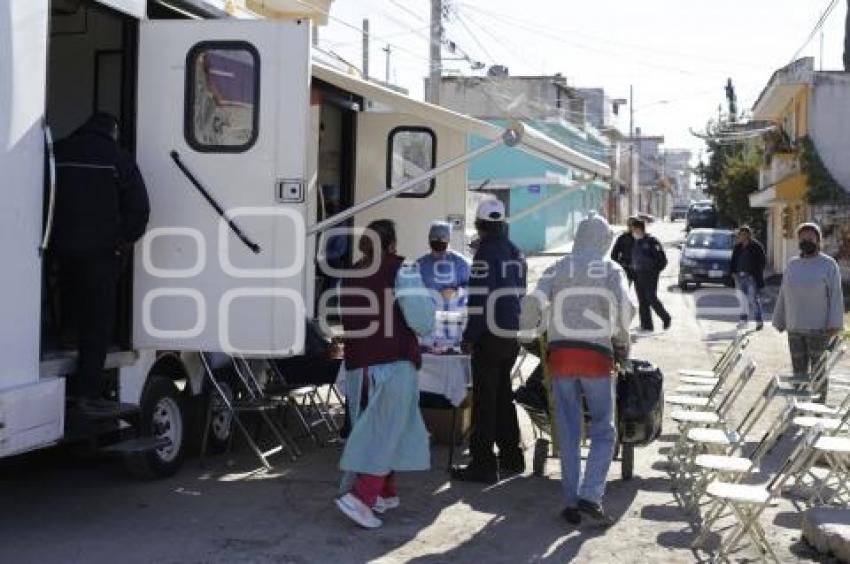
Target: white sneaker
{"type": "Point", "coordinates": [382, 504]}
{"type": "Point", "coordinates": [357, 511]}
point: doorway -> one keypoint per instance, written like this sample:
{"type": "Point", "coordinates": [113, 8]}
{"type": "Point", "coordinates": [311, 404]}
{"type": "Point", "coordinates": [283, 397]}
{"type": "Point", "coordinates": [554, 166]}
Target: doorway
{"type": "Point", "coordinates": [92, 62]}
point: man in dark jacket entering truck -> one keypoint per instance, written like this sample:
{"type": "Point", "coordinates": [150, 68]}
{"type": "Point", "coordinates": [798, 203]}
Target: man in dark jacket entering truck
{"type": "Point", "coordinates": [102, 208]}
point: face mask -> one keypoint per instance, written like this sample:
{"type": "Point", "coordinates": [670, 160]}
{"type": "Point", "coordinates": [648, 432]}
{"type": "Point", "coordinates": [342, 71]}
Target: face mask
{"type": "Point", "coordinates": [439, 246]}
{"type": "Point", "coordinates": [808, 248]}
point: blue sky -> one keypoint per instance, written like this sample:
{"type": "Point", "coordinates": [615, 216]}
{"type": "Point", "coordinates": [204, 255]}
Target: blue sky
{"type": "Point", "coordinates": [677, 53]}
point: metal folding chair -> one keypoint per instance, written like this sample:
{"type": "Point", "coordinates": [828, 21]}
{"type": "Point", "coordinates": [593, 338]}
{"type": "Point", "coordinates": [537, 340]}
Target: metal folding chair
{"type": "Point", "coordinates": [746, 503]}
{"type": "Point", "coordinates": [832, 448]}
{"type": "Point", "coordinates": [707, 398]}
{"type": "Point", "coordinates": [818, 381]}
{"type": "Point", "coordinates": [723, 364]}
{"type": "Point", "coordinates": [311, 409]}
{"type": "Point", "coordinates": [722, 439]}
{"type": "Point", "coordinates": [248, 399]}
{"type": "Point", "coordinates": [733, 466]}
{"type": "Point", "coordinates": [711, 416]}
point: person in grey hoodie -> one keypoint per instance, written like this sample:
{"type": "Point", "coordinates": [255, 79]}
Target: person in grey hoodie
{"type": "Point", "coordinates": [810, 305]}
{"type": "Point", "coordinates": [582, 304]}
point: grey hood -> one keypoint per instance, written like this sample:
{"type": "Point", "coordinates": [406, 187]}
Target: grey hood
{"type": "Point", "coordinates": [583, 299]}
{"type": "Point", "coordinates": [593, 238]}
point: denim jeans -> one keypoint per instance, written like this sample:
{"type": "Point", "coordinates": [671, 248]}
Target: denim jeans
{"type": "Point", "coordinates": [599, 393]}
{"type": "Point", "coordinates": [746, 283]}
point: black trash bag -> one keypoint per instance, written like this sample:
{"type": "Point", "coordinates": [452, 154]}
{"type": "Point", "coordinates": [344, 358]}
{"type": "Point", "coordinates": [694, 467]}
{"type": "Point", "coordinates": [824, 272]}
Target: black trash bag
{"type": "Point", "coordinates": [533, 393]}
{"type": "Point", "coordinates": [640, 402]}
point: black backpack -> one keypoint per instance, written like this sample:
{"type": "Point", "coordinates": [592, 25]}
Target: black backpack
{"type": "Point", "coordinates": [640, 402]}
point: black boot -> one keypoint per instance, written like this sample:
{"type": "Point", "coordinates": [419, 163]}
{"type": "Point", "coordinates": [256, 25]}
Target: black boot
{"type": "Point", "coordinates": [475, 472]}
{"type": "Point", "coordinates": [511, 464]}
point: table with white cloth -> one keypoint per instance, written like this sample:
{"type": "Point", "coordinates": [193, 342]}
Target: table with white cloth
{"type": "Point", "coordinates": [447, 375]}
{"type": "Point", "coordinates": [450, 376]}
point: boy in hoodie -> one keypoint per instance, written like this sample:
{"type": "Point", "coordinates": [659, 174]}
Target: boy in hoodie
{"type": "Point", "coordinates": [582, 303]}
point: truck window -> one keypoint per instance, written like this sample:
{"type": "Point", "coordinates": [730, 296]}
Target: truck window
{"type": "Point", "coordinates": [222, 101]}
{"type": "Point", "coordinates": [411, 152]}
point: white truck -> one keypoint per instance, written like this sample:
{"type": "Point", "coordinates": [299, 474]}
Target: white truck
{"type": "Point", "coordinates": [223, 114]}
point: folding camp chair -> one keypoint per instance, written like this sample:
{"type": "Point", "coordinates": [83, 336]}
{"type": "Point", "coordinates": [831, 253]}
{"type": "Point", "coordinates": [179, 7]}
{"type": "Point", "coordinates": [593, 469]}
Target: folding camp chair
{"type": "Point", "coordinates": [746, 503]}
{"type": "Point", "coordinates": [249, 399]}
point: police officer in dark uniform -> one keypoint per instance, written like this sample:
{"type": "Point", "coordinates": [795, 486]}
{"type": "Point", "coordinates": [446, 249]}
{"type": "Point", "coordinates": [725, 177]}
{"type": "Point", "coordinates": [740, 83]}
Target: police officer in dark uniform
{"type": "Point", "coordinates": [648, 260]}
{"type": "Point", "coordinates": [101, 209]}
{"type": "Point", "coordinates": [621, 253]}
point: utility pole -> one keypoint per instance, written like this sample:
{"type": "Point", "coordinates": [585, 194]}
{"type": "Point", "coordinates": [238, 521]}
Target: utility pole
{"type": "Point", "coordinates": [388, 51]}
{"type": "Point", "coordinates": [847, 39]}
{"type": "Point", "coordinates": [633, 158]}
{"type": "Point", "coordinates": [366, 48]}
{"type": "Point", "coordinates": [435, 52]}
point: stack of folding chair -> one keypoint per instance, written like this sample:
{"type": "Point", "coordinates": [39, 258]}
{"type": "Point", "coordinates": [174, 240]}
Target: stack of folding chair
{"type": "Point", "coordinates": [311, 410]}
{"type": "Point", "coordinates": [247, 398]}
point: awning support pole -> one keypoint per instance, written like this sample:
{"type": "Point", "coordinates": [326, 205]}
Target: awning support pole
{"type": "Point", "coordinates": [572, 188]}
{"type": "Point", "coordinates": [510, 138]}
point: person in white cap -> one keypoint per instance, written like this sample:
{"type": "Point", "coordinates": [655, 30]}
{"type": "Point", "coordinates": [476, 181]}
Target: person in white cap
{"type": "Point", "coordinates": [496, 285]}
{"type": "Point", "coordinates": [810, 305]}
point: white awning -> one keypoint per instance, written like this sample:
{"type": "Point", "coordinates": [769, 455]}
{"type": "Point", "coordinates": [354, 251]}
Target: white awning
{"type": "Point", "coordinates": [532, 141]}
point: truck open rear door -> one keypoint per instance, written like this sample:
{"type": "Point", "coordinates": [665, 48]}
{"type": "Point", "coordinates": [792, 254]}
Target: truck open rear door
{"type": "Point", "coordinates": [31, 408]}
{"type": "Point", "coordinates": [222, 122]}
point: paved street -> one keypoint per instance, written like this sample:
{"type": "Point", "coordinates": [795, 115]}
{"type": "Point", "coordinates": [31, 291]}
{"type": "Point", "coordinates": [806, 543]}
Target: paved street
{"type": "Point", "coordinates": [57, 507]}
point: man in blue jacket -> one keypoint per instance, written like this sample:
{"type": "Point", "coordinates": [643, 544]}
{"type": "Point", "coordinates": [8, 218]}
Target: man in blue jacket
{"type": "Point", "coordinates": [496, 285]}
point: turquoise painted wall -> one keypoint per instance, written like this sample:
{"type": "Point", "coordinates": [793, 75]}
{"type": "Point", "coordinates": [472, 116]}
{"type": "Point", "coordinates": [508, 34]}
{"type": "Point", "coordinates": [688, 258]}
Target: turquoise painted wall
{"type": "Point", "coordinates": [554, 224]}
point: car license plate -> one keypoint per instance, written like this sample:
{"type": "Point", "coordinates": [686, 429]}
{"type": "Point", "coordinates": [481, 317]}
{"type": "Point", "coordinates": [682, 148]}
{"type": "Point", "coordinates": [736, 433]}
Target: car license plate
{"type": "Point", "coordinates": [715, 274]}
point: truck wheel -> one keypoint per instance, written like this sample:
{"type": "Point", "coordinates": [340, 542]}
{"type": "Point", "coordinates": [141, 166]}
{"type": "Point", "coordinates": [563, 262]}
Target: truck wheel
{"type": "Point", "coordinates": [541, 452]}
{"type": "Point", "coordinates": [162, 416]}
{"type": "Point", "coordinates": [221, 424]}
{"type": "Point", "coordinates": [627, 462]}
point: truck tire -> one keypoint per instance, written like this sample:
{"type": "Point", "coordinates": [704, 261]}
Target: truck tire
{"type": "Point", "coordinates": [221, 425]}
{"type": "Point", "coordinates": [162, 415]}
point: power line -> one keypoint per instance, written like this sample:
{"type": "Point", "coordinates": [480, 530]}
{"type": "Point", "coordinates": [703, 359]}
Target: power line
{"type": "Point", "coordinates": [475, 39]}
{"type": "Point", "coordinates": [822, 20]}
{"type": "Point", "coordinates": [560, 32]}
